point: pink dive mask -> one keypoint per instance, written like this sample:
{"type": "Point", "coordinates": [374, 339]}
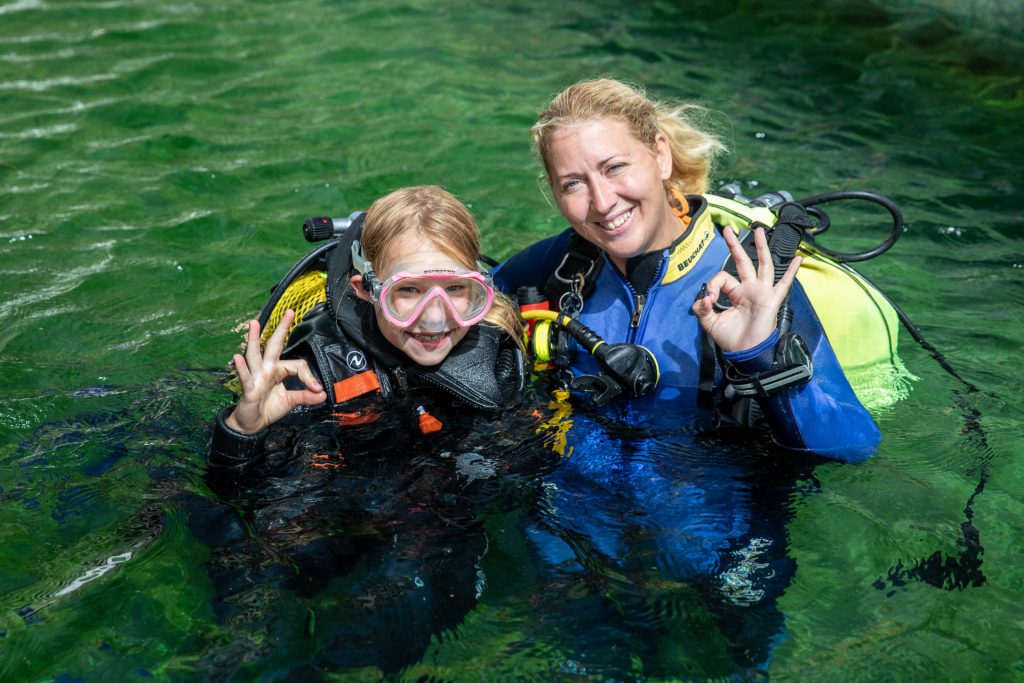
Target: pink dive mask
{"type": "Point", "coordinates": [467, 295]}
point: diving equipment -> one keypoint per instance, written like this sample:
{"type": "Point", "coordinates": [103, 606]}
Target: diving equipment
{"type": "Point", "coordinates": [403, 297]}
{"type": "Point", "coordinates": [628, 368]}
{"type": "Point", "coordinates": [791, 366]}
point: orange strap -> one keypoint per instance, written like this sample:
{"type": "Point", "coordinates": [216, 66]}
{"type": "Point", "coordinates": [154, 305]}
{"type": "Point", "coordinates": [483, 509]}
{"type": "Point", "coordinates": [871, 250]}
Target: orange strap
{"type": "Point", "coordinates": [356, 385]}
{"type": "Point", "coordinates": [682, 212]}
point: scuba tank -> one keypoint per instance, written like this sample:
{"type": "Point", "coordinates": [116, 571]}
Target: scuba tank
{"type": "Point", "coordinates": [305, 285]}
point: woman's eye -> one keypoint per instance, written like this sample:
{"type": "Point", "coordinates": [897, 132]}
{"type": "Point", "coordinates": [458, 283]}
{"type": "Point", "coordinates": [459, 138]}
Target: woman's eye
{"type": "Point", "coordinates": [615, 168]}
{"type": "Point", "coordinates": [570, 185]}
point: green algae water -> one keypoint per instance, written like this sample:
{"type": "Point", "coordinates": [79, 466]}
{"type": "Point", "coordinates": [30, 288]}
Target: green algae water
{"type": "Point", "coordinates": [156, 163]}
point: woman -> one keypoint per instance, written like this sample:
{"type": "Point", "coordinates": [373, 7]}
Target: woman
{"type": "Point", "coordinates": [626, 172]}
{"type": "Point", "coordinates": [642, 264]}
{"type": "Point", "coordinates": [355, 442]}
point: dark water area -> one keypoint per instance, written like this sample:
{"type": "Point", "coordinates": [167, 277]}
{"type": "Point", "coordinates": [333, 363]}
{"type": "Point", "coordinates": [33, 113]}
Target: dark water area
{"type": "Point", "coordinates": [156, 163]}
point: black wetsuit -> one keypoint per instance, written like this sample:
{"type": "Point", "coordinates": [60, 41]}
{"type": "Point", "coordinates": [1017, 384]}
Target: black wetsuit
{"type": "Point", "coordinates": [353, 521]}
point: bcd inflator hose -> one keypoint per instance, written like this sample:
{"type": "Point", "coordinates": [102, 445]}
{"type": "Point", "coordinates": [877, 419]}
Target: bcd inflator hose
{"type": "Point", "coordinates": [626, 367]}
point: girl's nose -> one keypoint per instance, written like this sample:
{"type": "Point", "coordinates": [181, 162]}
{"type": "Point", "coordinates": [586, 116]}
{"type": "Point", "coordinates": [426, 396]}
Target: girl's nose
{"type": "Point", "coordinates": [433, 317]}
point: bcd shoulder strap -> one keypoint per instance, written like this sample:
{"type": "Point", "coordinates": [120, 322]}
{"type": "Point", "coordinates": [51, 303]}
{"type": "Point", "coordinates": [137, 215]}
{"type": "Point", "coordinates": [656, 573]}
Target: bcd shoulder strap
{"type": "Point", "coordinates": [581, 264]}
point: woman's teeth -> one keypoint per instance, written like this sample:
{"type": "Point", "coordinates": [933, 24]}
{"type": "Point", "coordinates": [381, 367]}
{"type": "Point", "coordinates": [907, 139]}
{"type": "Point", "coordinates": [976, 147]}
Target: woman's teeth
{"type": "Point", "coordinates": [618, 222]}
{"type": "Point", "coordinates": [428, 338]}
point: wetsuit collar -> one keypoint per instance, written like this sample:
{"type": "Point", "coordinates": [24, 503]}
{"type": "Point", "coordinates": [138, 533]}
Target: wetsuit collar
{"type": "Point", "coordinates": [642, 271]}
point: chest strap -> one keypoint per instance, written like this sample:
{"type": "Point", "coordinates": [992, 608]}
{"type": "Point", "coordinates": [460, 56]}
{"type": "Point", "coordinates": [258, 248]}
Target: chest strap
{"type": "Point", "coordinates": [356, 385]}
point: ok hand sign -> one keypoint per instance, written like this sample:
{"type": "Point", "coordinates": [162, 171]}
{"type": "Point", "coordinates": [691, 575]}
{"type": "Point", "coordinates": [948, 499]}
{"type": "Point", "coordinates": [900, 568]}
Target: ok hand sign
{"type": "Point", "coordinates": [755, 299]}
{"type": "Point", "coordinates": [265, 399]}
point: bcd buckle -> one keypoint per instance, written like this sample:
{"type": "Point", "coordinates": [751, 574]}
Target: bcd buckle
{"type": "Point", "coordinates": [791, 365]}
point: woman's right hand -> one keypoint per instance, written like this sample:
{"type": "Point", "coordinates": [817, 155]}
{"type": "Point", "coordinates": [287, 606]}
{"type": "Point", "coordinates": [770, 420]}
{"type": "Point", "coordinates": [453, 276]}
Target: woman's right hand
{"type": "Point", "coordinates": [265, 399]}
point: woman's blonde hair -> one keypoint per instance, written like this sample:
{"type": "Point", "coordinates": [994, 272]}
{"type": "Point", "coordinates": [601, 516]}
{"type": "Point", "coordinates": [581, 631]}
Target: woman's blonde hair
{"type": "Point", "coordinates": [436, 215]}
{"type": "Point", "coordinates": [693, 150]}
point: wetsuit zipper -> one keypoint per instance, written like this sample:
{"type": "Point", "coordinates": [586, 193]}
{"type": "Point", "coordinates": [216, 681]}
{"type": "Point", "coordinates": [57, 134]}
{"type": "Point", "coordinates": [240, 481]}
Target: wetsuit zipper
{"type": "Point", "coordinates": [640, 300]}
{"type": "Point", "coordinates": [638, 308]}
{"type": "Point", "coordinates": [400, 379]}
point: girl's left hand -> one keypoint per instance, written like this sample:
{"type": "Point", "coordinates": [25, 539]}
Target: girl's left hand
{"type": "Point", "coordinates": [755, 299]}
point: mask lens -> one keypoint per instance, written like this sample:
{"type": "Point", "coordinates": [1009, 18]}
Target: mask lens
{"type": "Point", "coordinates": [405, 297]}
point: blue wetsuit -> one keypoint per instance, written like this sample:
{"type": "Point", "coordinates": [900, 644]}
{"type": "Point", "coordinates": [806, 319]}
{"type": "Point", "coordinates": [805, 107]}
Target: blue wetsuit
{"type": "Point", "coordinates": [680, 504]}
{"type": "Point", "coordinates": [822, 416]}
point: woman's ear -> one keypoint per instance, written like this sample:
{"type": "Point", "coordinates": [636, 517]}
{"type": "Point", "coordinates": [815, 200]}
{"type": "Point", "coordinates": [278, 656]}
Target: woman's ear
{"type": "Point", "coordinates": [663, 153]}
{"type": "Point", "coordinates": [357, 286]}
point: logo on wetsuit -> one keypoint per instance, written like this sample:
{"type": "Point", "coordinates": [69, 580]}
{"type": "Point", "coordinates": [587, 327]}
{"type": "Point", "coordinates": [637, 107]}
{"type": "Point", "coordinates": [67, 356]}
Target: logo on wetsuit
{"type": "Point", "coordinates": [680, 265]}
{"type": "Point", "coordinates": [355, 360]}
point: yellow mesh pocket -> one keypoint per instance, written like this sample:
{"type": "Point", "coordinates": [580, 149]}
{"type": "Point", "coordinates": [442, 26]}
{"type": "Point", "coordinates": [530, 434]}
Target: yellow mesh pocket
{"type": "Point", "coordinates": [301, 296]}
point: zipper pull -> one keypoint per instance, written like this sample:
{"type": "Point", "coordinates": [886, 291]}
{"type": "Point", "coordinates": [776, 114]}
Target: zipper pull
{"type": "Point", "coordinates": [638, 310]}
{"type": "Point", "coordinates": [400, 379]}
{"type": "Point", "coordinates": [428, 423]}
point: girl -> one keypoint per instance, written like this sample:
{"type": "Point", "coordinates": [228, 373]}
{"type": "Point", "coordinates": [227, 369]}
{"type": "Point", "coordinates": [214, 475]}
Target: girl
{"type": "Point", "coordinates": [365, 443]}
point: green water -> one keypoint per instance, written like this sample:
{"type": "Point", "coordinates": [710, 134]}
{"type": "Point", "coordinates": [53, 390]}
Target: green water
{"type": "Point", "coordinates": [156, 162]}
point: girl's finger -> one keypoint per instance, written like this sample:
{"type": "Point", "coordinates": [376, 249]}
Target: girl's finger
{"type": "Point", "coordinates": [276, 342]}
{"type": "Point", "coordinates": [306, 398]}
{"type": "Point", "coordinates": [786, 281]}
{"type": "Point", "coordinates": [704, 309]}
{"type": "Point", "coordinates": [722, 283]}
{"type": "Point", "coordinates": [307, 378]}
{"type": "Point", "coordinates": [253, 356]}
{"type": "Point", "coordinates": [242, 369]}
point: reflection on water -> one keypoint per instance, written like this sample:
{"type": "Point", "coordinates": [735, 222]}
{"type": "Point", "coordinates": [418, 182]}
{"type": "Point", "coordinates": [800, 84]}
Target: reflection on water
{"type": "Point", "coordinates": [156, 161]}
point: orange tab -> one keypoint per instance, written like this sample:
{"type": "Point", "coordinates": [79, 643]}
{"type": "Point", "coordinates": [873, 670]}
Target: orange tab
{"type": "Point", "coordinates": [682, 211]}
{"type": "Point", "coordinates": [429, 424]}
{"type": "Point", "coordinates": [356, 385]}
{"type": "Point", "coordinates": [359, 417]}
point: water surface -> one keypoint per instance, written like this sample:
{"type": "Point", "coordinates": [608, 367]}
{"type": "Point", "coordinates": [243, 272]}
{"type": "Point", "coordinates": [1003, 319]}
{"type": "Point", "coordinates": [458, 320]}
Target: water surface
{"type": "Point", "coordinates": [156, 162]}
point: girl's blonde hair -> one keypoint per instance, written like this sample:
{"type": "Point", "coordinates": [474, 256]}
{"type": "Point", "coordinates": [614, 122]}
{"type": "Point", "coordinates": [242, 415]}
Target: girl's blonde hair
{"type": "Point", "coordinates": [436, 215]}
{"type": "Point", "coordinates": [693, 150]}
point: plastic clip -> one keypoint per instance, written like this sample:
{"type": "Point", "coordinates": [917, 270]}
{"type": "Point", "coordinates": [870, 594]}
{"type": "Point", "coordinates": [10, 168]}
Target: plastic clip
{"type": "Point", "coordinates": [791, 366]}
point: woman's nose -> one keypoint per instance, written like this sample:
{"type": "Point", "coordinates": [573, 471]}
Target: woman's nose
{"type": "Point", "coordinates": [602, 196]}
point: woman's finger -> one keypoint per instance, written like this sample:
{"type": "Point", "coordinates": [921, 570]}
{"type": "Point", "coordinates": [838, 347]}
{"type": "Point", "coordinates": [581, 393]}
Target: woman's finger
{"type": "Point", "coordinates": [786, 281]}
{"type": "Point", "coordinates": [744, 266]}
{"type": "Point", "coordinates": [765, 264]}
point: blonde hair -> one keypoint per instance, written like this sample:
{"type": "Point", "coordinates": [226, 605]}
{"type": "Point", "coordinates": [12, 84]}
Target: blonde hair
{"type": "Point", "coordinates": [693, 150]}
{"type": "Point", "coordinates": [436, 215]}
